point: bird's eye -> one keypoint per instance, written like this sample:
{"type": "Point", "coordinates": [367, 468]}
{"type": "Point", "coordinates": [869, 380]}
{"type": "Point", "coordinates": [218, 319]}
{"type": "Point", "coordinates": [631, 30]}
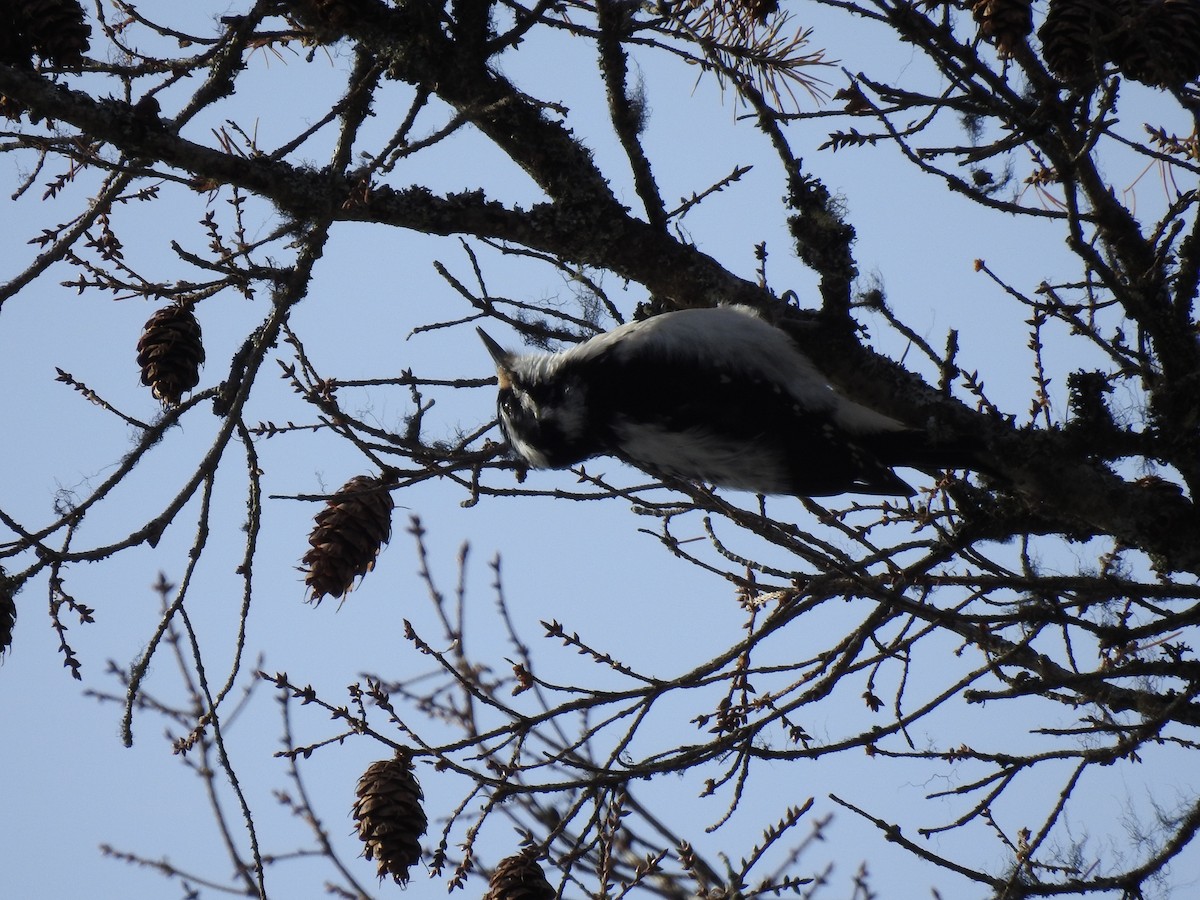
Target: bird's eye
{"type": "Point", "coordinates": [513, 407]}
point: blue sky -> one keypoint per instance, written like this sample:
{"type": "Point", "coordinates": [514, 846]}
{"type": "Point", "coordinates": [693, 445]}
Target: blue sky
{"type": "Point", "coordinates": [71, 786]}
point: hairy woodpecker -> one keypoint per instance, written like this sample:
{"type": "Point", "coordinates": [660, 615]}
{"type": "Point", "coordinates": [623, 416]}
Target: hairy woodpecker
{"type": "Point", "coordinates": [716, 395]}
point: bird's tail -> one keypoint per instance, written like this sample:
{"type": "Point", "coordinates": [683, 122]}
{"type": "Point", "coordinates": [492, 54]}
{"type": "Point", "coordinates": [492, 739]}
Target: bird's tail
{"type": "Point", "coordinates": [914, 448]}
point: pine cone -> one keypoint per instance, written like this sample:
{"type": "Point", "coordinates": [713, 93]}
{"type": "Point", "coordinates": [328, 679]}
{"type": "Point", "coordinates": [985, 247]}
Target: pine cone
{"type": "Point", "coordinates": [1076, 35]}
{"type": "Point", "coordinates": [1178, 37]}
{"type": "Point", "coordinates": [1007, 22]}
{"type": "Point", "coordinates": [8, 611]}
{"type": "Point", "coordinates": [519, 877]}
{"type": "Point", "coordinates": [1158, 42]}
{"type": "Point", "coordinates": [389, 815]}
{"type": "Point", "coordinates": [347, 536]}
{"type": "Point", "coordinates": [1127, 47]}
{"type": "Point", "coordinates": [170, 353]}
{"type": "Point", "coordinates": [55, 30]}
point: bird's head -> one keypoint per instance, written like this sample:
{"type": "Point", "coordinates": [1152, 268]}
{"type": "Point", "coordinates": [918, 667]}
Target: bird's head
{"type": "Point", "coordinates": [541, 408]}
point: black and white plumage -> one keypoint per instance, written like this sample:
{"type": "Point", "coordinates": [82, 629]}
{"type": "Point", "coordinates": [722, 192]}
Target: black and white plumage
{"type": "Point", "coordinates": [716, 395]}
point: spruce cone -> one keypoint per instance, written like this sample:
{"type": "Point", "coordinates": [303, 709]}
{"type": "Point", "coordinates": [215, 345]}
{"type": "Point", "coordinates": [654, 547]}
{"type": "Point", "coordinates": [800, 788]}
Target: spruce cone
{"type": "Point", "coordinates": [1007, 22]}
{"type": "Point", "coordinates": [55, 29]}
{"type": "Point", "coordinates": [389, 815]}
{"type": "Point", "coordinates": [519, 877]}
{"type": "Point", "coordinates": [347, 536]}
{"type": "Point", "coordinates": [170, 353]}
{"type": "Point", "coordinates": [8, 611]}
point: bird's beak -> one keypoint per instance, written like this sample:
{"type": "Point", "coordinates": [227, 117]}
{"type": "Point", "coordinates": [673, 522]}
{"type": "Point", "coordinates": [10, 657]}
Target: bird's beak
{"type": "Point", "coordinates": [502, 358]}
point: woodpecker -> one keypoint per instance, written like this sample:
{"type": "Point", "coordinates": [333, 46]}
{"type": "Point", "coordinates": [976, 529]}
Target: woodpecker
{"type": "Point", "coordinates": [716, 395]}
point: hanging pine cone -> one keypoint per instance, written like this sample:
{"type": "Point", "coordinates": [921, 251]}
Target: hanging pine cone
{"type": "Point", "coordinates": [389, 815]}
{"type": "Point", "coordinates": [55, 29]}
{"type": "Point", "coordinates": [1158, 42]}
{"type": "Point", "coordinates": [170, 353]}
{"type": "Point", "coordinates": [1124, 43]}
{"type": "Point", "coordinates": [1006, 22]}
{"type": "Point", "coordinates": [519, 877]}
{"type": "Point", "coordinates": [1076, 35]}
{"type": "Point", "coordinates": [1172, 35]}
{"type": "Point", "coordinates": [347, 536]}
{"type": "Point", "coordinates": [8, 611]}
{"type": "Point", "coordinates": [1132, 53]}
